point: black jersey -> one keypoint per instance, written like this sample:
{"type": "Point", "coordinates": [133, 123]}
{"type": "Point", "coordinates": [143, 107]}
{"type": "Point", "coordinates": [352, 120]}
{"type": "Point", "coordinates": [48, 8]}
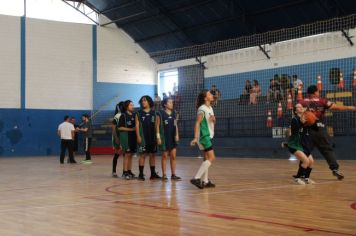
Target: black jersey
{"type": "Point", "coordinates": [128, 138]}
{"type": "Point", "coordinates": [300, 138]}
{"type": "Point", "coordinates": [147, 127]}
{"type": "Point", "coordinates": [168, 130]}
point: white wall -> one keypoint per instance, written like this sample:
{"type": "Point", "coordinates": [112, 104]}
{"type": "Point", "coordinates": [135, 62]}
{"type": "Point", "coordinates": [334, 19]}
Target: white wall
{"type": "Point", "coordinates": [120, 60]}
{"type": "Point", "coordinates": [10, 65]}
{"type": "Point", "coordinates": [300, 51]}
{"type": "Point", "coordinates": [58, 65]}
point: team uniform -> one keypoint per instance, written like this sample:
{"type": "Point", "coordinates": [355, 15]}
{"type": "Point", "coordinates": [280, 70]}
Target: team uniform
{"type": "Point", "coordinates": [319, 135]}
{"type": "Point", "coordinates": [300, 138]}
{"type": "Point", "coordinates": [128, 138]}
{"type": "Point", "coordinates": [147, 131]}
{"type": "Point", "coordinates": [206, 132]}
{"type": "Point", "coordinates": [168, 130]}
{"type": "Point", "coordinates": [116, 123]}
{"type": "Point", "coordinates": [115, 143]}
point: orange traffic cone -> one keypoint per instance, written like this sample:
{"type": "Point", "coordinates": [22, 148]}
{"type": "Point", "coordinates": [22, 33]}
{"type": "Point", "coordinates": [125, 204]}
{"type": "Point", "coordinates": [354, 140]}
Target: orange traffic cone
{"type": "Point", "coordinates": [354, 80]}
{"type": "Point", "coordinates": [341, 82]}
{"type": "Point", "coordinates": [319, 84]}
{"type": "Point", "coordinates": [300, 93]}
{"type": "Point", "coordinates": [279, 110]}
{"type": "Point", "coordinates": [289, 102]}
{"type": "Point", "coordinates": [269, 119]}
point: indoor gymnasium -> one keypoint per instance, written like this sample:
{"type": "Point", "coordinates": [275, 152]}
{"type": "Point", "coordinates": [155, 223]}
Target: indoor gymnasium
{"type": "Point", "coordinates": [167, 117]}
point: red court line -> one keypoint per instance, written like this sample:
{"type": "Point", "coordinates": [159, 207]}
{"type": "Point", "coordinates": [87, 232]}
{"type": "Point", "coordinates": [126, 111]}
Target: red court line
{"type": "Point", "coordinates": [231, 218]}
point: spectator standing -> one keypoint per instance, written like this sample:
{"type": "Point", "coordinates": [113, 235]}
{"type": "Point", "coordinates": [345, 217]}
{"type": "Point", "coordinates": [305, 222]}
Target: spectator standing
{"type": "Point", "coordinates": [66, 133]}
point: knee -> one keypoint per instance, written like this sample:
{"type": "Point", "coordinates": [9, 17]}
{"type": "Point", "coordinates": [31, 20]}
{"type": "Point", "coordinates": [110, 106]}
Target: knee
{"type": "Point", "coordinates": [306, 162]}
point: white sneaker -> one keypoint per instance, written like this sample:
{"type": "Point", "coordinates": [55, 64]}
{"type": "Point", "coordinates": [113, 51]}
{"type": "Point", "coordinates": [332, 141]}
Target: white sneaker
{"type": "Point", "coordinates": [309, 181]}
{"type": "Point", "coordinates": [299, 181]}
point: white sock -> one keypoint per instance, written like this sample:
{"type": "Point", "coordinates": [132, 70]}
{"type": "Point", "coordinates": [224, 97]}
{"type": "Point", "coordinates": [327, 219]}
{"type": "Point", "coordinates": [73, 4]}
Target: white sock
{"type": "Point", "coordinates": [203, 167]}
{"type": "Point", "coordinates": [205, 176]}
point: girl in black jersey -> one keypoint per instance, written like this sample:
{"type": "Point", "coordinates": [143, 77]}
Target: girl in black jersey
{"type": "Point", "coordinates": [167, 136]}
{"type": "Point", "coordinates": [301, 146]}
{"type": "Point", "coordinates": [128, 137]}
{"type": "Point", "coordinates": [146, 135]}
{"type": "Point", "coordinates": [116, 136]}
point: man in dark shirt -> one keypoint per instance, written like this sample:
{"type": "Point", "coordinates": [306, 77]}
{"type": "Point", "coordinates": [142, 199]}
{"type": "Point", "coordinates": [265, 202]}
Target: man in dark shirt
{"type": "Point", "coordinates": [87, 129]}
{"type": "Point", "coordinates": [319, 136]}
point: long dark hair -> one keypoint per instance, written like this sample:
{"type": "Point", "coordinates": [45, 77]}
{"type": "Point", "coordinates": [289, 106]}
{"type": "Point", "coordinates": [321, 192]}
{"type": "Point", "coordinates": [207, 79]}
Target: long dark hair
{"type": "Point", "coordinates": [201, 98]}
{"type": "Point", "coordinates": [148, 99]}
{"type": "Point", "coordinates": [164, 102]}
{"type": "Point", "coordinates": [126, 105]}
{"type": "Point", "coordinates": [119, 107]}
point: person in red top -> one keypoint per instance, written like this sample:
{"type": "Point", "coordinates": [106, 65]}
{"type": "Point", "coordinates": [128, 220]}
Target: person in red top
{"type": "Point", "coordinates": [318, 105]}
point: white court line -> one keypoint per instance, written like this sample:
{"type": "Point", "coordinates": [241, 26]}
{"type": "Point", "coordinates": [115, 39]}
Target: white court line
{"type": "Point", "coordinates": [144, 198]}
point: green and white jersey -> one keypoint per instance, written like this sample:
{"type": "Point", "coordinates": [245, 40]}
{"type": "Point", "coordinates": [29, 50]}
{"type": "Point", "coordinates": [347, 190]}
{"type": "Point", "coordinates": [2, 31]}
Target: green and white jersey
{"type": "Point", "coordinates": [116, 123]}
{"type": "Point", "coordinates": [206, 129]}
{"type": "Point", "coordinates": [117, 118]}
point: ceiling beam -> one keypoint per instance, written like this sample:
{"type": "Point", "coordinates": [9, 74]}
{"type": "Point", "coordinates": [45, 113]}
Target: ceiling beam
{"type": "Point", "coordinates": [169, 11]}
{"type": "Point", "coordinates": [223, 20]}
{"type": "Point", "coordinates": [127, 4]}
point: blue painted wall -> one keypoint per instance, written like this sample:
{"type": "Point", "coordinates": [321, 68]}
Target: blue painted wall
{"type": "Point", "coordinates": [105, 92]}
{"type": "Point", "coordinates": [32, 132]}
{"type": "Point", "coordinates": [233, 85]}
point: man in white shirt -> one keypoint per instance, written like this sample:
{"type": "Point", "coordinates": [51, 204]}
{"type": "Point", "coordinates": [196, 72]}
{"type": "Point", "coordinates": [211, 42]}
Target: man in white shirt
{"type": "Point", "coordinates": [66, 133]}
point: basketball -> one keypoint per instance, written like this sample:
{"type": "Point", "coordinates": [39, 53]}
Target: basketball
{"type": "Point", "coordinates": [309, 118]}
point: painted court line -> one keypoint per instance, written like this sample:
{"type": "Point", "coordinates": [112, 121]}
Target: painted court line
{"type": "Point", "coordinates": [210, 215]}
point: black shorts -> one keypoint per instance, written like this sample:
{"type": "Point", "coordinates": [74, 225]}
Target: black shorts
{"type": "Point", "coordinates": [292, 150]}
{"type": "Point", "coordinates": [148, 149]}
{"type": "Point", "coordinates": [131, 149]}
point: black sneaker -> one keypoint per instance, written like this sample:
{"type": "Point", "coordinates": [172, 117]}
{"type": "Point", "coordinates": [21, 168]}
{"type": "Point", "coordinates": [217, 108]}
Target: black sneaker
{"type": "Point", "coordinates": [338, 174]}
{"type": "Point", "coordinates": [209, 184]}
{"type": "Point", "coordinates": [155, 176]}
{"type": "Point", "coordinates": [164, 178]}
{"type": "Point", "coordinates": [141, 177]}
{"type": "Point", "coordinates": [127, 176]}
{"type": "Point", "coordinates": [114, 175]}
{"type": "Point", "coordinates": [176, 178]}
{"type": "Point", "coordinates": [197, 183]}
{"type": "Point", "coordinates": [132, 175]}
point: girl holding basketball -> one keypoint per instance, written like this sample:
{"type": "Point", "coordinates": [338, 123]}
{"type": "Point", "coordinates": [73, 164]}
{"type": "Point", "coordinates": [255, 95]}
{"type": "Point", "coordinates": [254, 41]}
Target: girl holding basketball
{"type": "Point", "coordinates": [300, 144]}
{"type": "Point", "coordinates": [203, 135]}
{"type": "Point", "coordinates": [167, 136]}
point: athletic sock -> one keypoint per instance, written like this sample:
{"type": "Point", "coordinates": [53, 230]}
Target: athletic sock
{"type": "Point", "coordinates": [141, 170]}
{"type": "Point", "coordinates": [114, 163]}
{"type": "Point", "coordinates": [303, 172]}
{"type": "Point", "coordinates": [153, 170]}
{"type": "Point", "coordinates": [203, 167]}
{"type": "Point", "coordinates": [308, 171]}
{"type": "Point", "coordinates": [205, 176]}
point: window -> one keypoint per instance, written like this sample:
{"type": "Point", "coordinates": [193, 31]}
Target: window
{"type": "Point", "coordinates": [56, 10]}
{"type": "Point", "coordinates": [167, 82]}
